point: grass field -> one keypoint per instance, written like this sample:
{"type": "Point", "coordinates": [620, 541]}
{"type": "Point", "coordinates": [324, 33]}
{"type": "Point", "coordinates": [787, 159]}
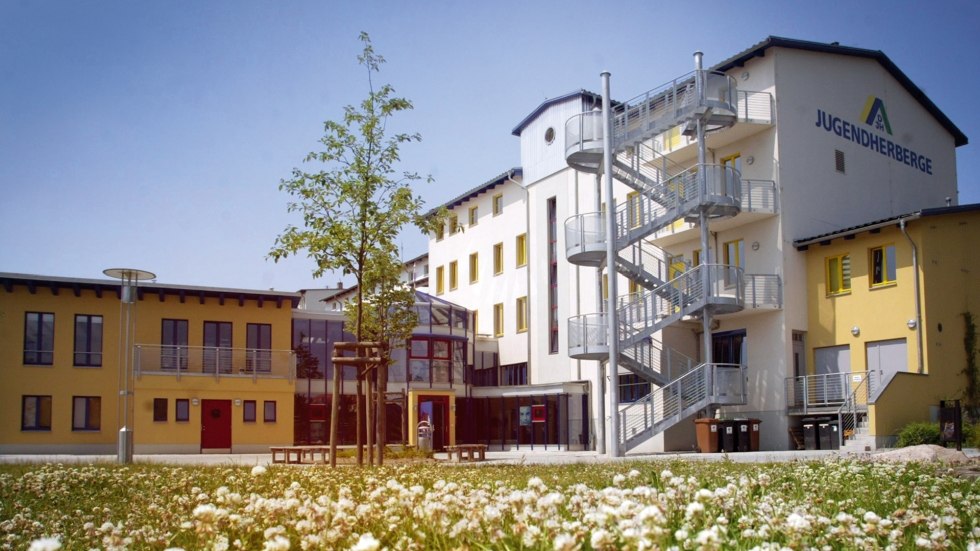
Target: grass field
{"type": "Point", "coordinates": [641, 505]}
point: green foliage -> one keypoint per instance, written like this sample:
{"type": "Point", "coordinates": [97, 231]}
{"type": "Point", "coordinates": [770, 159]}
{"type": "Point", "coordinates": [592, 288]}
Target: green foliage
{"type": "Point", "coordinates": [356, 203]}
{"type": "Point", "coordinates": [915, 434]}
{"type": "Point", "coordinates": [971, 394]}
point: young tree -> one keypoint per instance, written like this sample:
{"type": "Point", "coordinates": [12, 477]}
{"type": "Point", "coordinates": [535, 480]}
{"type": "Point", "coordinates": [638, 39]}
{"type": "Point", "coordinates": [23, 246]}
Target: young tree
{"type": "Point", "coordinates": [354, 206]}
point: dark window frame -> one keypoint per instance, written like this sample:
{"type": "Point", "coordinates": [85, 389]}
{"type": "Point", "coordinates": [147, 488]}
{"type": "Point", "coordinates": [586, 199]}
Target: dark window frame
{"type": "Point", "coordinates": [266, 417]}
{"type": "Point", "coordinates": [35, 354]}
{"type": "Point", "coordinates": [89, 421]}
{"type": "Point", "coordinates": [160, 410]}
{"type": "Point", "coordinates": [186, 417]}
{"type": "Point", "coordinates": [173, 350]}
{"type": "Point", "coordinates": [249, 411]}
{"type": "Point", "coordinates": [84, 354]}
{"type": "Point", "coordinates": [38, 421]}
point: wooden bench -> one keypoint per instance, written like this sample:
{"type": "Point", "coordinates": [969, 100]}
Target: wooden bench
{"type": "Point", "coordinates": [300, 454]}
{"type": "Point", "coordinates": [474, 452]}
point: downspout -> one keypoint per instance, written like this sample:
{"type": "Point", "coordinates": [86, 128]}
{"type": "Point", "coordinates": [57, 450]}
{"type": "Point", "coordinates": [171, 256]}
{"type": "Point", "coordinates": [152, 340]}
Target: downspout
{"type": "Point", "coordinates": [918, 300]}
{"type": "Point", "coordinates": [600, 447]}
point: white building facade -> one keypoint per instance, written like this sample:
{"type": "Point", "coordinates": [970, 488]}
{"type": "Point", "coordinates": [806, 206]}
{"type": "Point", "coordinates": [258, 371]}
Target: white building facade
{"type": "Point", "coordinates": [800, 139]}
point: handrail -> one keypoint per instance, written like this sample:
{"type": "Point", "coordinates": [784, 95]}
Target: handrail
{"type": "Point", "coordinates": [847, 413]}
{"type": "Point", "coordinates": [823, 390]}
{"type": "Point", "coordinates": [216, 361]}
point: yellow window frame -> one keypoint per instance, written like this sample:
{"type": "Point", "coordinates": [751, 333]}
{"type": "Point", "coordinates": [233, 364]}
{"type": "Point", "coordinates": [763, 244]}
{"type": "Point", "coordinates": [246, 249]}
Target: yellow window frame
{"type": "Point", "coordinates": [498, 259]}
{"type": "Point", "coordinates": [440, 284]}
{"type": "Point", "coordinates": [453, 224]}
{"type": "Point", "coordinates": [521, 314]}
{"type": "Point", "coordinates": [453, 275]}
{"type": "Point", "coordinates": [498, 319]}
{"type": "Point", "coordinates": [888, 273]}
{"type": "Point", "coordinates": [838, 274]}
{"type": "Point", "coordinates": [498, 204]}
{"type": "Point", "coordinates": [474, 267]}
{"type": "Point", "coordinates": [474, 215]}
{"type": "Point", "coordinates": [521, 253]}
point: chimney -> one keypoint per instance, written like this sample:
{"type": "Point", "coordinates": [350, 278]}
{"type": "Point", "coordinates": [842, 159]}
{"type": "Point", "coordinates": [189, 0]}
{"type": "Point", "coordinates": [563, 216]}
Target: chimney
{"type": "Point", "coordinates": [340, 284]}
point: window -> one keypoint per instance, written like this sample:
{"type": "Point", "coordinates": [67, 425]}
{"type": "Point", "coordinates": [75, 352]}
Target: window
{"type": "Point", "coordinates": [498, 259]}
{"type": "Point", "coordinates": [88, 340]}
{"type": "Point", "coordinates": [605, 286]}
{"type": "Point", "coordinates": [552, 210]}
{"type": "Point", "coordinates": [86, 413]}
{"type": "Point", "coordinates": [634, 209]}
{"type": "Point", "coordinates": [474, 267]}
{"type": "Point", "coordinates": [476, 321]}
{"type": "Point", "coordinates": [159, 409]}
{"type": "Point", "coordinates": [217, 346]}
{"type": "Point", "coordinates": [440, 230]}
{"type": "Point", "coordinates": [269, 411]}
{"type": "Point", "coordinates": [521, 314]}
{"type": "Point", "coordinates": [634, 288]}
{"type": "Point", "coordinates": [182, 409]}
{"type": "Point", "coordinates": [839, 274]}
{"type": "Point", "coordinates": [498, 204]}
{"type": "Point", "coordinates": [474, 215]}
{"type": "Point", "coordinates": [173, 338]}
{"type": "Point", "coordinates": [734, 253]}
{"type": "Point", "coordinates": [38, 338]}
{"type": "Point", "coordinates": [258, 341]}
{"type": "Point", "coordinates": [632, 388]}
{"type": "Point", "coordinates": [839, 161]}
{"type": "Point", "coordinates": [733, 165]}
{"type": "Point", "coordinates": [676, 266]}
{"type": "Point", "coordinates": [521, 250]}
{"type": "Point", "coordinates": [248, 411]}
{"type": "Point", "coordinates": [35, 413]}
{"type": "Point", "coordinates": [453, 275]}
{"type": "Point", "coordinates": [498, 320]}
{"type": "Point", "coordinates": [440, 285]}
{"type": "Point", "coordinates": [883, 265]}
{"type": "Point", "coordinates": [453, 224]}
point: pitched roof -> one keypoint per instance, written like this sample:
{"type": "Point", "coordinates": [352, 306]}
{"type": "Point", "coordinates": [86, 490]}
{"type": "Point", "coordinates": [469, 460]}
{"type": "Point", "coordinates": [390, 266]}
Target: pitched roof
{"type": "Point", "coordinates": [484, 187]}
{"type": "Point", "coordinates": [803, 244]}
{"type": "Point", "coordinates": [759, 50]}
{"type": "Point", "coordinates": [549, 102]}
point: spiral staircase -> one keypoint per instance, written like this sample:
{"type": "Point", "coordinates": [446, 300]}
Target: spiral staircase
{"type": "Point", "coordinates": [664, 194]}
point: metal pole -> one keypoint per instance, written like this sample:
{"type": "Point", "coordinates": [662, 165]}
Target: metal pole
{"type": "Point", "coordinates": [613, 335]}
{"type": "Point", "coordinates": [600, 384]}
{"type": "Point", "coordinates": [703, 219]}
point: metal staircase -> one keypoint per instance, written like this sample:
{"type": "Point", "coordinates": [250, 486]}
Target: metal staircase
{"type": "Point", "coordinates": [701, 101]}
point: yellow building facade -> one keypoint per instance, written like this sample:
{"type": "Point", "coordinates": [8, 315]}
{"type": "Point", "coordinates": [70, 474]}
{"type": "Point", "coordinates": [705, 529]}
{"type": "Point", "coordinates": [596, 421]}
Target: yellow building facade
{"type": "Point", "coordinates": [212, 369]}
{"type": "Point", "coordinates": [885, 309]}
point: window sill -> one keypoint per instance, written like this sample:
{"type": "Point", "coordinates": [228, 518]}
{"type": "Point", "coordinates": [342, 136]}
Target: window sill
{"type": "Point", "coordinates": [88, 366]}
{"type": "Point", "coordinates": [95, 431]}
{"type": "Point", "coordinates": [522, 330]}
{"type": "Point", "coordinates": [38, 365]}
{"type": "Point", "coordinates": [884, 285]}
{"type": "Point", "coordinates": [48, 429]}
{"type": "Point", "coordinates": [839, 294]}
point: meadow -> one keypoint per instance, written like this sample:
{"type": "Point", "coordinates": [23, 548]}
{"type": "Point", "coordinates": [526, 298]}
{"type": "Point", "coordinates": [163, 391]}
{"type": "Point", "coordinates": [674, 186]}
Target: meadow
{"type": "Point", "coordinates": [633, 505]}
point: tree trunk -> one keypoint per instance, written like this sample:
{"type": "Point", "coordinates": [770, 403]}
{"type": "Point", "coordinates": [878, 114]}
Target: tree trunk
{"type": "Point", "coordinates": [334, 410]}
{"type": "Point", "coordinates": [369, 414]}
{"type": "Point", "coordinates": [382, 407]}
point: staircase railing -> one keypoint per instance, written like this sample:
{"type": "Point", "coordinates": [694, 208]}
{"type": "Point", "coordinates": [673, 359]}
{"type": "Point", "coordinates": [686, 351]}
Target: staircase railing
{"type": "Point", "coordinates": [665, 364]}
{"type": "Point", "coordinates": [847, 414]}
{"type": "Point", "coordinates": [641, 262]}
{"type": "Point", "coordinates": [701, 387]}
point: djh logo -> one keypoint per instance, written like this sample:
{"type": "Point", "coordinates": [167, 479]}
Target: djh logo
{"type": "Point", "coordinates": [875, 115]}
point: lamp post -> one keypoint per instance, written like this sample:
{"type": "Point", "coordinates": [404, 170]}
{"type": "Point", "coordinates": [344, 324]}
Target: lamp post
{"type": "Point", "coordinates": [129, 279]}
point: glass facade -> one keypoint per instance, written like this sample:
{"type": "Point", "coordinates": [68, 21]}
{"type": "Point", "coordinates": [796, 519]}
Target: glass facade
{"type": "Point", "coordinates": [543, 421]}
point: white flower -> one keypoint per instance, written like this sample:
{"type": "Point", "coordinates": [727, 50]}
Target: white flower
{"type": "Point", "coordinates": [258, 470]}
{"type": "Point", "coordinates": [45, 544]}
{"type": "Point", "coordinates": [564, 542]}
{"type": "Point", "coordinates": [619, 479]}
{"type": "Point", "coordinates": [601, 538]}
{"type": "Point", "coordinates": [797, 522]}
{"type": "Point", "coordinates": [278, 543]}
{"type": "Point", "coordinates": [367, 542]}
{"type": "Point", "coordinates": [633, 473]}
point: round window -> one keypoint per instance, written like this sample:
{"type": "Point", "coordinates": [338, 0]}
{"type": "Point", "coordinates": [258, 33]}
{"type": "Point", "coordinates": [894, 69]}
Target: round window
{"type": "Point", "coordinates": [549, 135]}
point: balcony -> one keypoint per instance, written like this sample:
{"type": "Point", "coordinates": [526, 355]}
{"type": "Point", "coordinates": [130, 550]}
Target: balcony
{"type": "Point", "coordinates": [826, 393]}
{"type": "Point", "coordinates": [754, 114]}
{"type": "Point", "coordinates": [216, 362]}
{"type": "Point", "coordinates": [759, 200]}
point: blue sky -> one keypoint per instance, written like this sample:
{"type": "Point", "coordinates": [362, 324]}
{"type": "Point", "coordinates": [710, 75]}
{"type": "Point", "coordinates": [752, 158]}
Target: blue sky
{"type": "Point", "coordinates": [153, 135]}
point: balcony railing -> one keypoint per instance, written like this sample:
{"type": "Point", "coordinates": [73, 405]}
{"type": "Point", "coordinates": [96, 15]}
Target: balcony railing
{"type": "Point", "coordinates": [754, 107]}
{"type": "Point", "coordinates": [218, 362]}
{"type": "Point", "coordinates": [829, 390]}
{"type": "Point", "coordinates": [763, 291]}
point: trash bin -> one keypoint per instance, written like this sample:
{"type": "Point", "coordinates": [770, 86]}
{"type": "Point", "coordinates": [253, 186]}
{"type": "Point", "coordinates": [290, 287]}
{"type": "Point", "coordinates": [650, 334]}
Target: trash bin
{"type": "Point", "coordinates": [754, 434]}
{"type": "Point", "coordinates": [707, 434]}
{"type": "Point", "coordinates": [425, 436]}
{"type": "Point", "coordinates": [742, 435]}
{"type": "Point", "coordinates": [726, 430]}
{"type": "Point", "coordinates": [829, 434]}
{"type": "Point", "coordinates": [811, 435]}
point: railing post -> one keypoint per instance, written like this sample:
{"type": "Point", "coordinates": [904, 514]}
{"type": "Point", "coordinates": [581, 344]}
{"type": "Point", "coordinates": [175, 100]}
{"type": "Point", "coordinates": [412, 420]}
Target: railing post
{"type": "Point", "coordinates": [139, 359]}
{"type": "Point", "coordinates": [806, 394]}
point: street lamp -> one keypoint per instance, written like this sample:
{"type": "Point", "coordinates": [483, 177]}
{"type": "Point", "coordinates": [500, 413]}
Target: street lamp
{"type": "Point", "coordinates": [129, 279]}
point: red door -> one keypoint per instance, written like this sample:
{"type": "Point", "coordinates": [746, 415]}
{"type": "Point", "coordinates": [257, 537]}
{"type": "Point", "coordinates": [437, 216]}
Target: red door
{"type": "Point", "coordinates": [216, 424]}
